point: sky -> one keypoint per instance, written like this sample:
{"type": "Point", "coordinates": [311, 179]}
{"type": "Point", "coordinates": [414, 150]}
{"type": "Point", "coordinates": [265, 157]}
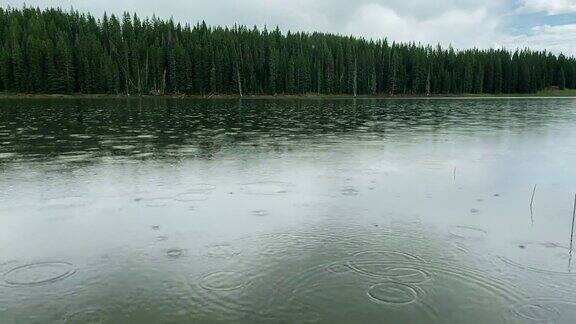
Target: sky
{"type": "Point", "coordinates": [538, 24]}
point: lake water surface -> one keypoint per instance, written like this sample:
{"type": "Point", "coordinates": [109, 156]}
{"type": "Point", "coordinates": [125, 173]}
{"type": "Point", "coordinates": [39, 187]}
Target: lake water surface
{"type": "Point", "coordinates": [287, 211]}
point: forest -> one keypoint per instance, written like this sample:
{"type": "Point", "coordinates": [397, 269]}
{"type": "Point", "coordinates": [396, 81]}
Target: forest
{"type": "Point", "coordinates": [67, 52]}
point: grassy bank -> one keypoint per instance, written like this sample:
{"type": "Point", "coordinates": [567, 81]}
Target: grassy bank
{"type": "Point", "coordinates": [557, 93]}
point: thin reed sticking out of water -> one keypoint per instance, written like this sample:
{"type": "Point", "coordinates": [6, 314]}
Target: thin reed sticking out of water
{"type": "Point", "coordinates": [454, 173]}
{"type": "Point", "coordinates": [532, 204]}
{"type": "Point", "coordinates": [572, 234]}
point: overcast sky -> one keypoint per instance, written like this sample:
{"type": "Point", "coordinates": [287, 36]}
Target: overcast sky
{"type": "Point", "coordinates": [539, 24]}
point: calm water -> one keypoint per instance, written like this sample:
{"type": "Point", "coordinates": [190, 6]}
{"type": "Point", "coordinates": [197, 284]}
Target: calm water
{"type": "Point", "coordinates": [256, 211]}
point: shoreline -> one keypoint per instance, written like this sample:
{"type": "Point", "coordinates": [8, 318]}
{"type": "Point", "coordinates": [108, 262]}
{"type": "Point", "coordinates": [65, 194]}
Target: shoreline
{"type": "Point", "coordinates": [545, 95]}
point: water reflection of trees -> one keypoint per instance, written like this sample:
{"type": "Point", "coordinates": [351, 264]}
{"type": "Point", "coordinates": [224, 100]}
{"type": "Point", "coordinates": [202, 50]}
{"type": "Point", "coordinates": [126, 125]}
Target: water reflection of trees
{"type": "Point", "coordinates": [158, 125]}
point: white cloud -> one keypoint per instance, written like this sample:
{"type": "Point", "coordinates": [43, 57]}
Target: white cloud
{"type": "Point", "coordinates": [457, 27]}
{"type": "Point", "coordinates": [462, 23]}
{"type": "Point", "coordinates": [557, 39]}
{"type": "Point", "coordinates": [551, 7]}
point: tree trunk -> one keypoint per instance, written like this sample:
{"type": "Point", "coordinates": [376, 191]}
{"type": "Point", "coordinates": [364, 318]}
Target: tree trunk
{"type": "Point", "coordinates": [428, 85]}
{"type": "Point", "coordinates": [139, 80]}
{"type": "Point", "coordinates": [163, 86]}
{"type": "Point", "coordinates": [239, 80]}
{"type": "Point", "coordinates": [146, 72]}
{"type": "Point", "coordinates": [355, 85]}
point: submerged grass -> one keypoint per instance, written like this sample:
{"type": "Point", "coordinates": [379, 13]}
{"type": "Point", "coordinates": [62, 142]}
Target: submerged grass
{"type": "Point", "coordinates": [532, 204]}
{"type": "Point", "coordinates": [572, 235]}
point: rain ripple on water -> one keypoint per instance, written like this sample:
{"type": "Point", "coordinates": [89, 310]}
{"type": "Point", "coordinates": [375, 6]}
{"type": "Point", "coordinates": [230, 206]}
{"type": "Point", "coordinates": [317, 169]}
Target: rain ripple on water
{"type": "Point", "coordinates": [393, 293]}
{"type": "Point", "coordinates": [38, 274]}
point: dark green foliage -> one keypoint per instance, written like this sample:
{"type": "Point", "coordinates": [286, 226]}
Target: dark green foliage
{"type": "Point", "coordinates": [53, 51]}
{"type": "Point", "coordinates": [562, 80]}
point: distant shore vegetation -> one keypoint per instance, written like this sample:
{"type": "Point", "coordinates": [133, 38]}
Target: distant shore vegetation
{"type": "Point", "coordinates": [67, 52]}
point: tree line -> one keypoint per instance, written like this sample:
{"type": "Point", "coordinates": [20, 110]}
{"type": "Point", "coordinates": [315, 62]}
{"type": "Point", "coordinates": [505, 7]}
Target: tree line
{"type": "Point", "coordinates": [56, 51]}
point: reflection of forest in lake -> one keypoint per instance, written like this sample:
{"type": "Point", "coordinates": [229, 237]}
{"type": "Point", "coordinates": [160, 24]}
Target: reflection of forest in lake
{"type": "Point", "coordinates": [395, 211]}
{"type": "Point", "coordinates": [140, 127]}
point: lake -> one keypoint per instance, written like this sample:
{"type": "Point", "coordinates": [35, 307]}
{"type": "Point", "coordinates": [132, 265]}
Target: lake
{"type": "Point", "coordinates": [287, 211]}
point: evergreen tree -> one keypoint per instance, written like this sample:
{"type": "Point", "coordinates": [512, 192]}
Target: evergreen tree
{"type": "Point", "coordinates": [498, 76]}
{"type": "Point", "coordinates": [18, 68]}
{"type": "Point", "coordinates": [5, 64]}
{"type": "Point", "coordinates": [54, 51]}
{"type": "Point", "coordinates": [273, 70]}
{"type": "Point", "coordinates": [393, 76]}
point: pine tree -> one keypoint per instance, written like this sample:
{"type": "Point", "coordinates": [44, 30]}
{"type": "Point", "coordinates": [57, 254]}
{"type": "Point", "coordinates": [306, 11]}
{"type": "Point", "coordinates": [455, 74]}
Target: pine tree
{"type": "Point", "coordinates": [479, 80]}
{"type": "Point", "coordinates": [5, 64]}
{"type": "Point", "coordinates": [62, 52]}
{"type": "Point", "coordinates": [273, 70]}
{"type": "Point", "coordinates": [17, 65]}
{"type": "Point", "coordinates": [524, 84]}
{"type": "Point", "coordinates": [63, 75]}
{"type": "Point", "coordinates": [213, 78]}
{"type": "Point", "coordinates": [446, 82]}
{"type": "Point", "coordinates": [498, 77]}
{"type": "Point", "coordinates": [393, 77]}
{"type": "Point", "coordinates": [290, 80]}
